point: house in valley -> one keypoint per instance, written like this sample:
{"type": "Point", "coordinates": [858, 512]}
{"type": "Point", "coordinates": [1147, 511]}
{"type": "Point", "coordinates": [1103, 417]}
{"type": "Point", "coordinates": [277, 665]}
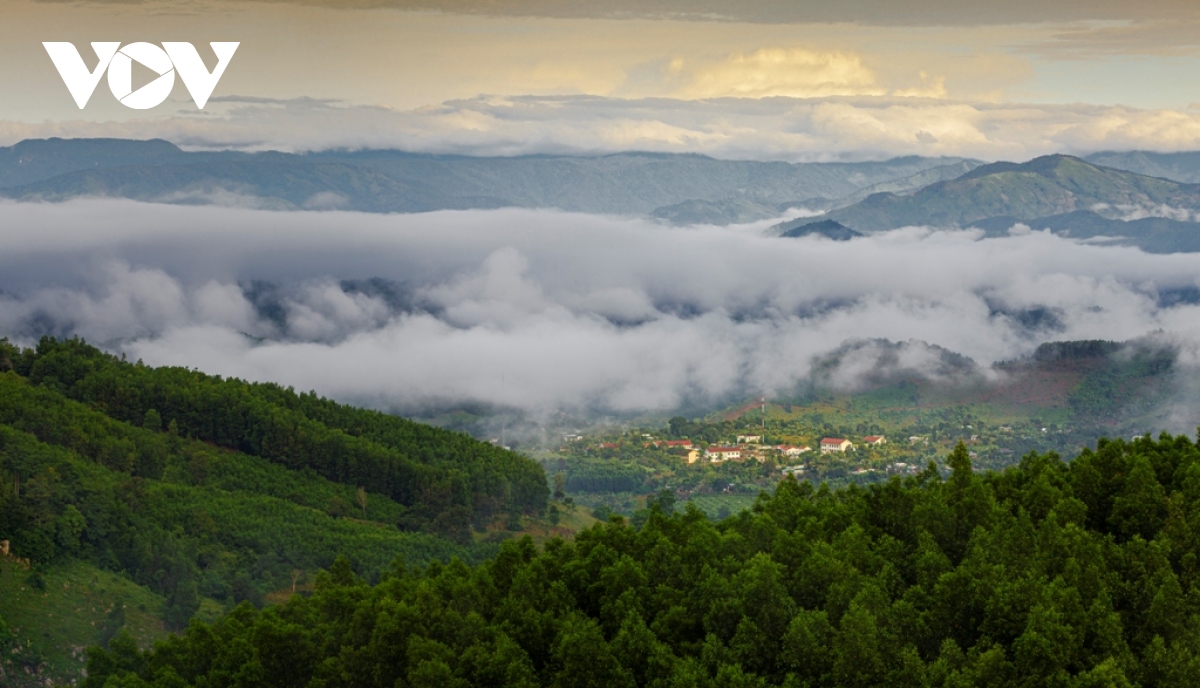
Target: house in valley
{"type": "Point", "coordinates": [792, 451]}
{"type": "Point", "coordinates": [674, 444]}
{"type": "Point", "coordinates": [830, 445]}
{"type": "Point", "coordinates": [719, 454]}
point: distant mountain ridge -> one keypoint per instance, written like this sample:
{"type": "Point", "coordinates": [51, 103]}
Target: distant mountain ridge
{"type": "Point", "coordinates": [396, 181]}
{"type": "Point", "coordinates": [1045, 186]}
{"type": "Point", "coordinates": [1135, 197]}
{"type": "Point", "coordinates": [1065, 194]}
{"type": "Point", "coordinates": [1183, 166]}
{"type": "Point", "coordinates": [738, 209]}
{"type": "Point", "coordinates": [807, 226]}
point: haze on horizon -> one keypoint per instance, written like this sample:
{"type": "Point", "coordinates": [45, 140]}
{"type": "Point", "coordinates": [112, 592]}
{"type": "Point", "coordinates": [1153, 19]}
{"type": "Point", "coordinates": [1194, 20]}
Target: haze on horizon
{"type": "Point", "coordinates": [759, 80]}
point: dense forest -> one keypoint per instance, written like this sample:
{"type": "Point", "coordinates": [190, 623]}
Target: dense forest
{"type": "Point", "coordinates": [446, 480]}
{"type": "Point", "coordinates": [1050, 573]}
{"type": "Point", "coordinates": [201, 488]}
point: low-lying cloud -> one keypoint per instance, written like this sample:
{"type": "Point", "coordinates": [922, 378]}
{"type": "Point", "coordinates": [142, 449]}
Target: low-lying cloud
{"type": "Point", "coordinates": [544, 310]}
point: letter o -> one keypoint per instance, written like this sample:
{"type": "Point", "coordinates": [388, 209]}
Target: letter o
{"type": "Point", "coordinates": [120, 76]}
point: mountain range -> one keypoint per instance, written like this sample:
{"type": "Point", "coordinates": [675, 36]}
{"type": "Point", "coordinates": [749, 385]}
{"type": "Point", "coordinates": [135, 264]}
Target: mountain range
{"type": "Point", "coordinates": [1182, 167]}
{"type": "Point", "coordinates": [1064, 194]}
{"type": "Point", "coordinates": [1046, 186]}
{"type": "Point", "coordinates": [1150, 200]}
{"type": "Point", "coordinates": [675, 188]}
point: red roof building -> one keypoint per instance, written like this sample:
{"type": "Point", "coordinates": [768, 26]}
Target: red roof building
{"type": "Point", "coordinates": [719, 454]}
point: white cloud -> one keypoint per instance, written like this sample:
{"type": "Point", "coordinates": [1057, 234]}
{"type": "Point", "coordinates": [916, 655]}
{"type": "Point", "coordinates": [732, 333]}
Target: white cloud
{"type": "Point", "coordinates": [792, 72]}
{"type": "Point", "coordinates": [546, 310]}
{"type": "Point", "coordinates": [794, 129]}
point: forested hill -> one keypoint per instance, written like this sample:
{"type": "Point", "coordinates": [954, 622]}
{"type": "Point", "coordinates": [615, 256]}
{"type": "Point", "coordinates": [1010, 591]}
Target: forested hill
{"type": "Point", "coordinates": [1048, 574]}
{"type": "Point", "coordinates": [445, 480]}
{"type": "Point", "coordinates": [136, 498]}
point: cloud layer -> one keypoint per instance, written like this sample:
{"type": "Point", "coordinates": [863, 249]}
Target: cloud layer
{"type": "Point", "coordinates": [777, 128]}
{"type": "Point", "coordinates": [544, 310]}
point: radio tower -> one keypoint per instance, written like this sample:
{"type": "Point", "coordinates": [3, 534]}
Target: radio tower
{"type": "Point", "coordinates": [764, 412]}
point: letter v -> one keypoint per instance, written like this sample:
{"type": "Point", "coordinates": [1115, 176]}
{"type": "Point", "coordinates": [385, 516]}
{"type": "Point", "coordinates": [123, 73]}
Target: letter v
{"type": "Point", "coordinates": [200, 83]}
{"type": "Point", "coordinates": [80, 82]}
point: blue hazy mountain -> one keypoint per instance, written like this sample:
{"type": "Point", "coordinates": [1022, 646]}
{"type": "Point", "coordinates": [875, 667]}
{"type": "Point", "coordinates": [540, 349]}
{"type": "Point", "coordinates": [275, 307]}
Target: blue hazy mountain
{"type": "Point", "coordinates": [1065, 194]}
{"type": "Point", "coordinates": [394, 181]}
{"type": "Point", "coordinates": [806, 226]}
{"type": "Point", "coordinates": [1181, 167]}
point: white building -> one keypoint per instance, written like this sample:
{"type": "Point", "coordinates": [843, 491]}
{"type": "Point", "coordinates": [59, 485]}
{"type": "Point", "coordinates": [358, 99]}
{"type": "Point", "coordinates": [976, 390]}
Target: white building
{"type": "Point", "coordinates": [791, 451]}
{"type": "Point", "coordinates": [836, 444]}
{"type": "Point", "coordinates": [719, 454]}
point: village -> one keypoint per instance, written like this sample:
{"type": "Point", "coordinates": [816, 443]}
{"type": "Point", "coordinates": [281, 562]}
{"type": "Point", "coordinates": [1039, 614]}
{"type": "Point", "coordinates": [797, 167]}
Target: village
{"type": "Point", "coordinates": [828, 457]}
{"type": "Point", "coordinates": [743, 450]}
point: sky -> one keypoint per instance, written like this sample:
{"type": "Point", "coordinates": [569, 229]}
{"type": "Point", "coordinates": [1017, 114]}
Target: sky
{"type": "Point", "coordinates": [767, 79]}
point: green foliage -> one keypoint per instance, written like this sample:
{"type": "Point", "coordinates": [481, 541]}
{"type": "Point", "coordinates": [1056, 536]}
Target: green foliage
{"type": "Point", "coordinates": [1047, 574]}
{"type": "Point", "coordinates": [5, 636]}
{"type": "Point", "coordinates": [590, 475]}
{"type": "Point", "coordinates": [212, 515]}
{"type": "Point", "coordinates": [435, 473]}
{"type": "Point", "coordinates": [720, 506]}
{"type": "Point", "coordinates": [225, 507]}
{"type": "Point", "coordinates": [337, 508]}
{"type": "Point", "coordinates": [69, 528]}
{"type": "Point", "coordinates": [1113, 384]}
{"type": "Point", "coordinates": [36, 580]}
{"type": "Point", "coordinates": [182, 604]}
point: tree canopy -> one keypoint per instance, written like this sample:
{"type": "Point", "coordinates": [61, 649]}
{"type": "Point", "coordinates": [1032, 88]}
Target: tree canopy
{"type": "Point", "coordinates": [199, 487]}
{"type": "Point", "coordinates": [1048, 574]}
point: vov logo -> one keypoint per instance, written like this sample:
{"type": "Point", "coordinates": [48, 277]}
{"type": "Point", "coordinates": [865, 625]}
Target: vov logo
{"type": "Point", "coordinates": [118, 61]}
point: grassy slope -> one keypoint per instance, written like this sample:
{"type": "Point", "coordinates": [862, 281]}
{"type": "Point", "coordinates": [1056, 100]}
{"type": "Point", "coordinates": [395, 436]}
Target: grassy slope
{"type": "Point", "coordinates": [53, 627]}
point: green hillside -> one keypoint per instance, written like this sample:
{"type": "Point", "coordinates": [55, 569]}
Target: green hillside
{"type": "Point", "coordinates": [1043, 187]}
{"type": "Point", "coordinates": [200, 493]}
{"type": "Point", "coordinates": [54, 617]}
{"type": "Point", "coordinates": [444, 480]}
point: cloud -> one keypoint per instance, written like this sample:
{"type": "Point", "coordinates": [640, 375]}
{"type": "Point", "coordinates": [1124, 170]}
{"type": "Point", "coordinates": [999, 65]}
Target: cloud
{"type": "Point", "coordinates": [794, 129]}
{"type": "Point", "coordinates": [1130, 212]}
{"type": "Point", "coordinates": [545, 310]}
{"type": "Point", "coordinates": [1172, 35]}
{"type": "Point", "coordinates": [794, 72]}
